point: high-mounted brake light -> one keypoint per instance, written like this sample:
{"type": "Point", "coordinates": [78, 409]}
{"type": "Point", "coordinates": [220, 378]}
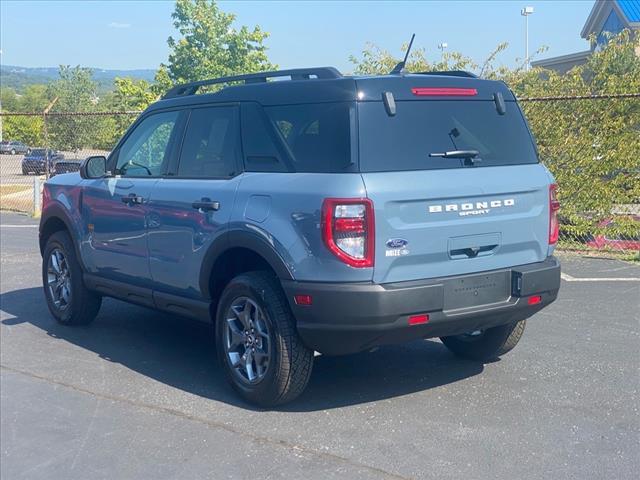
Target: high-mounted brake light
{"type": "Point", "coordinates": [554, 206]}
{"type": "Point", "coordinates": [348, 230]}
{"type": "Point", "coordinates": [444, 92]}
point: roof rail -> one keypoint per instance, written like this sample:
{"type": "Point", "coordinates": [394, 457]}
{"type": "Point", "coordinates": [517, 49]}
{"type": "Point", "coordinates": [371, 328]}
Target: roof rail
{"type": "Point", "coordinates": [294, 74]}
{"type": "Point", "coordinates": [451, 73]}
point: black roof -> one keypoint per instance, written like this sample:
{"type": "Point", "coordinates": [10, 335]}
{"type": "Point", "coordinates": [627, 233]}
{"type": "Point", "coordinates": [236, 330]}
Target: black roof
{"type": "Point", "coordinates": [326, 84]}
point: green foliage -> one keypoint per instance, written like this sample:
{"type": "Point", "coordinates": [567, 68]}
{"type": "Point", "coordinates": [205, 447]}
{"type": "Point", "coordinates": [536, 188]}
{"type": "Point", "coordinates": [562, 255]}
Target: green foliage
{"type": "Point", "coordinates": [34, 98]}
{"type": "Point", "coordinates": [75, 91]}
{"type": "Point", "coordinates": [209, 46]}
{"type": "Point", "coordinates": [131, 95]}
{"type": "Point", "coordinates": [376, 61]}
{"type": "Point", "coordinates": [591, 145]}
{"type": "Point", "coordinates": [24, 129]}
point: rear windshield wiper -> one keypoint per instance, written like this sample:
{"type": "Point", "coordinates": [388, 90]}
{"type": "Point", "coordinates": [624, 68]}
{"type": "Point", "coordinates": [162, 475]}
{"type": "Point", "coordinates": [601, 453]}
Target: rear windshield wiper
{"type": "Point", "coordinates": [457, 154]}
{"type": "Point", "coordinates": [471, 157]}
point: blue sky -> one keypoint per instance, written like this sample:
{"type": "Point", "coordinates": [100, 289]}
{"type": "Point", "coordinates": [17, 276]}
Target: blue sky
{"type": "Point", "coordinates": [133, 34]}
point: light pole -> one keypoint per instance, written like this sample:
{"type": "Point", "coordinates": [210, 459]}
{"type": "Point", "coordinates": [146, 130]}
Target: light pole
{"type": "Point", "coordinates": [525, 12]}
{"type": "Point", "coordinates": [442, 46]}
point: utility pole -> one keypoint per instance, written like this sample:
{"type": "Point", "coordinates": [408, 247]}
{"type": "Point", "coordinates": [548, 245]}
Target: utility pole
{"type": "Point", "coordinates": [45, 132]}
{"type": "Point", "coordinates": [525, 12]}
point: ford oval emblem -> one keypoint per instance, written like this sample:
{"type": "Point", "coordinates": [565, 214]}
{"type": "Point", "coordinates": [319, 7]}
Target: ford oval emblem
{"type": "Point", "coordinates": [396, 243]}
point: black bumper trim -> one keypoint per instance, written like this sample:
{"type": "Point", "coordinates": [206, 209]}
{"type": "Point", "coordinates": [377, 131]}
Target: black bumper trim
{"type": "Point", "coordinates": [351, 317]}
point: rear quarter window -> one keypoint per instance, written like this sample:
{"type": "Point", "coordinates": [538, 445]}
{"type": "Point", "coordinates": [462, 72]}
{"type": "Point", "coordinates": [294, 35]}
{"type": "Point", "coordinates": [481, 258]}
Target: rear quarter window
{"type": "Point", "coordinates": [404, 141]}
{"type": "Point", "coordinates": [318, 136]}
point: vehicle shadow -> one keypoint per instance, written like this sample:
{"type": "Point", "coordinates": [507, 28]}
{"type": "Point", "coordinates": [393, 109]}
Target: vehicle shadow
{"type": "Point", "coordinates": [180, 353]}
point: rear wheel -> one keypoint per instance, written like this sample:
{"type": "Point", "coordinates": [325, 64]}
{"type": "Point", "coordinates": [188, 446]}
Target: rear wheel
{"type": "Point", "coordinates": [13, 151]}
{"type": "Point", "coordinates": [258, 345]}
{"type": "Point", "coordinates": [486, 344]}
{"type": "Point", "coordinates": [69, 301]}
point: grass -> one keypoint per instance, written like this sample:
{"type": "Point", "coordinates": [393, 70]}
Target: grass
{"type": "Point", "coordinates": [23, 202]}
{"type": "Point", "coordinates": [625, 255]}
{"type": "Point", "coordinates": [9, 189]}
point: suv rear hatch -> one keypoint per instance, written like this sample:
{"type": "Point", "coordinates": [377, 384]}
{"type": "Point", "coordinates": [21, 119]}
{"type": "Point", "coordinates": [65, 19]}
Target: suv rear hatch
{"type": "Point", "coordinates": [438, 216]}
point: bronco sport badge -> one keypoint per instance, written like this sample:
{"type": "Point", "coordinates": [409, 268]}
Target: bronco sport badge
{"type": "Point", "coordinates": [470, 208]}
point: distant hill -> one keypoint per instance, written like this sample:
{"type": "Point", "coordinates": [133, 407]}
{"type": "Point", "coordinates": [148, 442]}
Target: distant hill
{"type": "Point", "coordinates": [19, 77]}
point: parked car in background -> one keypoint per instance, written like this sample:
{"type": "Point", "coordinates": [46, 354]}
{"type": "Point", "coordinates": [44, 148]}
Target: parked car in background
{"type": "Point", "coordinates": [36, 160]}
{"type": "Point", "coordinates": [66, 166]}
{"type": "Point", "coordinates": [13, 147]}
{"type": "Point", "coordinates": [615, 241]}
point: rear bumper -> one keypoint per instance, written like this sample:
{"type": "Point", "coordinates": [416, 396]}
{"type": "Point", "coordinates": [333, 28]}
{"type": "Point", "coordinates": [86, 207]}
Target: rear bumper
{"type": "Point", "coordinates": [350, 317]}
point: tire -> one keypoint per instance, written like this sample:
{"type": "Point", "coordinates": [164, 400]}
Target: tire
{"type": "Point", "coordinates": [282, 362]}
{"type": "Point", "coordinates": [13, 151]}
{"type": "Point", "coordinates": [488, 344]}
{"type": "Point", "coordinates": [81, 305]}
{"type": "Point", "coordinates": [25, 171]}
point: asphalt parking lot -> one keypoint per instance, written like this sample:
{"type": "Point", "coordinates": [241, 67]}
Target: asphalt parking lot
{"type": "Point", "coordinates": [11, 170]}
{"type": "Point", "coordinates": [138, 395]}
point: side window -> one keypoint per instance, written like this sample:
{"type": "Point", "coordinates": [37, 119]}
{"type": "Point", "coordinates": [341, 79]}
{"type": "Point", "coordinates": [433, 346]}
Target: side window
{"type": "Point", "coordinates": [145, 151]}
{"type": "Point", "coordinates": [210, 146]}
{"type": "Point", "coordinates": [260, 141]}
{"type": "Point", "coordinates": [319, 136]}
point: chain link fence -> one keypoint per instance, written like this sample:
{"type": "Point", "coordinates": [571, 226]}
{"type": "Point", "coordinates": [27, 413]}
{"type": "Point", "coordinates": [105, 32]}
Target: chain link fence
{"type": "Point", "coordinates": [50, 144]}
{"type": "Point", "coordinates": [590, 143]}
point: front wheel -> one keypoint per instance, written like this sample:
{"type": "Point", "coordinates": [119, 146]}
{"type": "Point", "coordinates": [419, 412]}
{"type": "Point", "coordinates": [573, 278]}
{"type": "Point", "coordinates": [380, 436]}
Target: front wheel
{"type": "Point", "coordinates": [13, 151]}
{"type": "Point", "coordinates": [485, 345]}
{"type": "Point", "coordinates": [258, 345]}
{"type": "Point", "coordinates": [69, 301]}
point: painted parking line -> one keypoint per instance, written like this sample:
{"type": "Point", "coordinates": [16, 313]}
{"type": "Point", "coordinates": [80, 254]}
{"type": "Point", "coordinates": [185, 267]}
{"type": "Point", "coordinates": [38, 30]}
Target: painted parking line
{"type": "Point", "coordinates": [569, 278]}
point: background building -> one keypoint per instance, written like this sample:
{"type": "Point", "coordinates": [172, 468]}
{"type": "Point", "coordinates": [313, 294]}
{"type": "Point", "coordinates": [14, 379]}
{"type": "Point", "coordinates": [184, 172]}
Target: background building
{"type": "Point", "coordinates": [606, 17]}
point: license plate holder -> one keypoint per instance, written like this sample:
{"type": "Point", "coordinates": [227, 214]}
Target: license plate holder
{"type": "Point", "coordinates": [477, 290]}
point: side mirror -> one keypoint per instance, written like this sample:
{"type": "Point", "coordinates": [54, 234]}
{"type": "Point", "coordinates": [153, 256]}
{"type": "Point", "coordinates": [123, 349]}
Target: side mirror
{"type": "Point", "coordinates": [94, 167]}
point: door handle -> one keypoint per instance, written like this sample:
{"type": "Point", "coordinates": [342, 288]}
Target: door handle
{"type": "Point", "coordinates": [132, 199]}
{"type": "Point", "coordinates": [206, 205]}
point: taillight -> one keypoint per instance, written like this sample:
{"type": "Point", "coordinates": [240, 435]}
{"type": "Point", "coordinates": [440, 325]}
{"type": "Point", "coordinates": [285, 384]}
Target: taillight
{"type": "Point", "coordinates": [554, 206]}
{"type": "Point", "coordinates": [348, 230]}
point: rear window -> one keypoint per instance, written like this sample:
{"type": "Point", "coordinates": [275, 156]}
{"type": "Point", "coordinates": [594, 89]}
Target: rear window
{"type": "Point", "coordinates": [404, 141]}
{"type": "Point", "coordinates": [318, 135]}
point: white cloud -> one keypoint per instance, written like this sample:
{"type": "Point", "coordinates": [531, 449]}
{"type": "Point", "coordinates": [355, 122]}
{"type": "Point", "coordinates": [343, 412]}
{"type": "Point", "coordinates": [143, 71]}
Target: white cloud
{"type": "Point", "coordinates": [118, 25]}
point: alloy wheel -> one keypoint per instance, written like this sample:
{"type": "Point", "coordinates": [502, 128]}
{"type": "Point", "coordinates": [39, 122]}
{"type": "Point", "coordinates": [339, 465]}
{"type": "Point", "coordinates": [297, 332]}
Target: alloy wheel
{"type": "Point", "coordinates": [59, 279]}
{"type": "Point", "coordinates": [246, 340]}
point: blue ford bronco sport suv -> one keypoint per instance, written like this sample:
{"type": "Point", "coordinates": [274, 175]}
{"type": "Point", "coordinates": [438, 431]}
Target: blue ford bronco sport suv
{"type": "Point", "coordinates": [318, 212]}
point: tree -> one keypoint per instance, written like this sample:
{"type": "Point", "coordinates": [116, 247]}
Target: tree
{"type": "Point", "coordinates": [75, 90]}
{"type": "Point", "coordinates": [209, 46]}
{"type": "Point", "coordinates": [590, 145]}
{"type": "Point", "coordinates": [26, 129]}
{"type": "Point", "coordinates": [376, 61]}
{"type": "Point", "coordinates": [130, 95]}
